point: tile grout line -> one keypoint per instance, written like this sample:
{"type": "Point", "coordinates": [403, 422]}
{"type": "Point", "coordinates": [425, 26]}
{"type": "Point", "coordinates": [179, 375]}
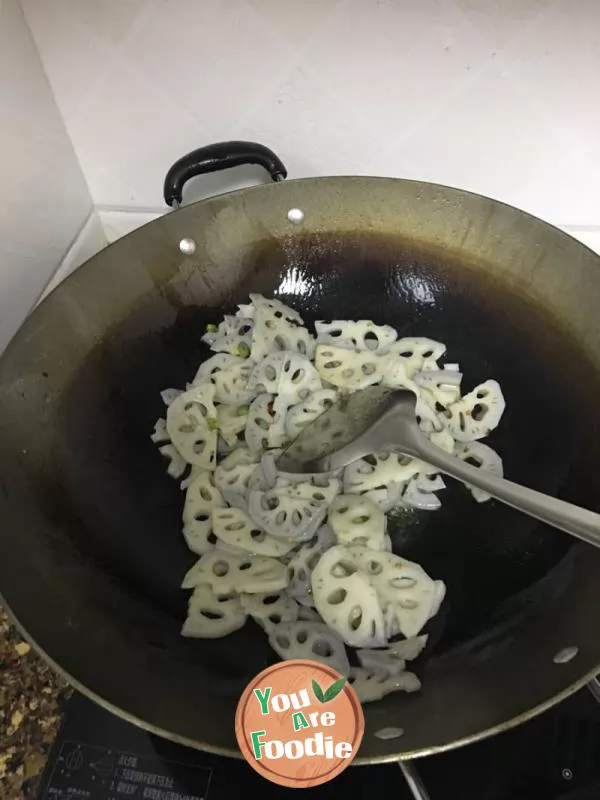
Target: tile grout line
{"type": "Point", "coordinates": [75, 242]}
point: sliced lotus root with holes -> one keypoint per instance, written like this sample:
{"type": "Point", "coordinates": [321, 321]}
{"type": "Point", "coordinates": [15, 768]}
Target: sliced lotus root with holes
{"type": "Point", "coordinates": [309, 640]}
{"type": "Point", "coordinates": [418, 353]}
{"type": "Point", "coordinates": [442, 439]}
{"type": "Point", "coordinates": [234, 526]}
{"type": "Point", "coordinates": [301, 414]}
{"type": "Point", "coordinates": [177, 464]}
{"type": "Point", "coordinates": [228, 572]}
{"type": "Point", "coordinates": [276, 308]}
{"type": "Point", "coordinates": [160, 434]}
{"type": "Point", "coordinates": [425, 405]}
{"type": "Point", "coordinates": [194, 472]}
{"type": "Point", "coordinates": [482, 456]}
{"type": "Point", "coordinates": [411, 648]}
{"type": "Point", "coordinates": [231, 423]}
{"type": "Point", "coordinates": [327, 431]}
{"type": "Point", "coordinates": [231, 385]}
{"type": "Point", "coordinates": [214, 364]}
{"type": "Point", "coordinates": [191, 424]}
{"type": "Point", "coordinates": [382, 661]}
{"type": "Point", "coordinates": [270, 609]}
{"type": "Point", "coordinates": [377, 470]}
{"type": "Point", "coordinates": [233, 335]}
{"type": "Point", "coordinates": [395, 375]}
{"type": "Point", "coordinates": [201, 539]}
{"type": "Point", "coordinates": [304, 599]}
{"type": "Point", "coordinates": [276, 328]}
{"type": "Point", "coordinates": [392, 660]}
{"type": "Point", "coordinates": [236, 501]}
{"type": "Point", "coordinates": [265, 476]}
{"type": "Point", "coordinates": [246, 310]}
{"type": "Point", "coordinates": [224, 547]}
{"type": "Point", "coordinates": [419, 493]}
{"type": "Point", "coordinates": [264, 378]}
{"type": "Point", "coordinates": [477, 413]}
{"type": "Point", "coordinates": [168, 395]}
{"type": "Point", "coordinates": [425, 409]}
{"type": "Point", "coordinates": [390, 623]}
{"type": "Point", "coordinates": [429, 481]}
{"type": "Point", "coordinates": [317, 479]}
{"type": "Point", "coordinates": [443, 385]}
{"type": "Point", "coordinates": [235, 472]}
{"type": "Point", "coordinates": [285, 374]}
{"type": "Point", "coordinates": [320, 489]}
{"type": "Point", "coordinates": [371, 685]}
{"type": "Point", "coordinates": [308, 614]}
{"type": "Point", "coordinates": [348, 369]}
{"type": "Point", "coordinates": [278, 436]}
{"type": "Point", "coordinates": [259, 422]}
{"type": "Point", "coordinates": [385, 498]}
{"type": "Point", "coordinates": [362, 334]}
{"type": "Point", "coordinates": [406, 593]}
{"type": "Point", "coordinates": [357, 520]}
{"type": "Point", "coordinates": [303, 562]}
{"type": "Point", "coordinates": [346, 600]}
{"type": "Point", "coordinates": [398, 620]}
{"type": "Point", "coordinates": [200, 499]}
{"type": "Point", "coordinates": [211, 616]}
{"type": "Point", "coordinates": [285, 559]}
{"type": "Point", "coordinates": [223, 449]}
{"type": "Point", "coordinates": [289, 518]}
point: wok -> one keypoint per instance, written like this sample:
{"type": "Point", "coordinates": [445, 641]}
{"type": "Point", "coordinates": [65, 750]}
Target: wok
{"type": "Point", "coordinates": [91, 554]}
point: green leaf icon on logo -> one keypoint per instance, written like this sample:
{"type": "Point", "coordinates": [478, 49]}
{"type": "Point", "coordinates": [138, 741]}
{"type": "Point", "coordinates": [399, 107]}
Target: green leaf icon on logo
{"type": "Point", "coordinates": [334, 689]}
{"type": "Point", "coordinates": [330, 693]}
{"type": "Point", "coordinates": [318, 692]}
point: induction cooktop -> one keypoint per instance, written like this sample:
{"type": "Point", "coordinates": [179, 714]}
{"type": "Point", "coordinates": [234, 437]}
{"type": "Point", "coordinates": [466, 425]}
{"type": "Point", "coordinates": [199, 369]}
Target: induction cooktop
{"type": "Point", "coordinates": [98, 756]}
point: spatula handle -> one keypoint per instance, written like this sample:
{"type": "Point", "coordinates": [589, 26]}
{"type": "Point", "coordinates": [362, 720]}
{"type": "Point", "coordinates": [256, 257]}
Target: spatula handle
{"type": "Point", "coordinates": [567, 517]}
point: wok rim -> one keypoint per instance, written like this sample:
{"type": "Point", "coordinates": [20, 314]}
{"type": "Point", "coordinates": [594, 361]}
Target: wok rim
{"type": "Point", "coordinates": [168, 211]}
{"type": "Point", "coordinates": [201, 746]}
{"type": "Point", "coordinates": [359, 761]}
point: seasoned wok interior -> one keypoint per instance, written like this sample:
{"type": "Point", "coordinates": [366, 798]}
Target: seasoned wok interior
{"type": "Point", "coordinates": [114, 402]}
{"type": "Point", "coordinates": [99, 524]}
{"type": "Point", "coordinates": [307, 558]}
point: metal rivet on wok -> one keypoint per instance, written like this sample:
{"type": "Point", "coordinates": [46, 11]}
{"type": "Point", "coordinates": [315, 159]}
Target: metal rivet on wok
{"type": "Point", "coordinates": [295, 215]}
{"type": "Point", "coordinates": [187, 246]}
{"type": "Point", "coordinates": [389, 733]}
{"type": "Point", "coordinates": [565, 655]}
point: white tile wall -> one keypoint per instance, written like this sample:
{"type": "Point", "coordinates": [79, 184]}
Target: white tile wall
{"type": "Point", "coordinates": [496, 96]}
{"type": "Point", "coordinates": [120, 223]}
{"type": "Point", "coordinates": [44, 201]}
{"type": "Point", "coordinates": [89, 241]}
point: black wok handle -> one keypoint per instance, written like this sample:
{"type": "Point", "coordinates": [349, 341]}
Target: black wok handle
{"type": "Point", "coordinates": [215, 157]}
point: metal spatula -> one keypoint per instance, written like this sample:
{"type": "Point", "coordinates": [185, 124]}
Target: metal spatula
{"type": "Point", "coordinates": [377, 419]}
